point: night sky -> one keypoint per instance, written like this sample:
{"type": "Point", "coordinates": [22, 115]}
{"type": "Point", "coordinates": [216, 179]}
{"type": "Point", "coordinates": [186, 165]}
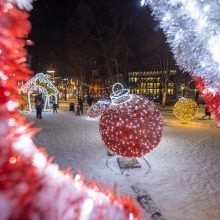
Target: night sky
{"type": "Point", "coordinates": [58, 28]}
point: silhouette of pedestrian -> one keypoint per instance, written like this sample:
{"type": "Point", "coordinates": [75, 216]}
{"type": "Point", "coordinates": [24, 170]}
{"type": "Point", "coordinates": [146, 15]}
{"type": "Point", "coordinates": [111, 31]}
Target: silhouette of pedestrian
{"type": "Point", "coordinates": [207, 113]}
{"type": "Point", "coordinates": [39, 104]}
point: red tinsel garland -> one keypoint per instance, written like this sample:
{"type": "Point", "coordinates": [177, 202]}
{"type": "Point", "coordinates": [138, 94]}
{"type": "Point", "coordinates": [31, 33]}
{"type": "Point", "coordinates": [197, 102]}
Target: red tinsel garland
{"type": "Point", "coordinates": [30, 186]}
{"type": "Point", "coordinates": [211, 98]}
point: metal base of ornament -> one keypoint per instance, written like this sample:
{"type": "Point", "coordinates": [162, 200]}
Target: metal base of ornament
{"type": "Point", "coordinates": [128, 166]}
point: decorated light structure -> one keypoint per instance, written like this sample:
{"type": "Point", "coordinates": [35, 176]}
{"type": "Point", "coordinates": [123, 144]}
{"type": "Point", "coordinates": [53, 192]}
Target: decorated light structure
{"type": "Point", "coordinates": [30, 186]}
{"type": "Point", "coordinates": [132, 125]}
{"type": "Point", "coordinates": [96, 109]}
{"type": "Point", "coordinates": [193, 32]}
{"type": "Point", "coordinates": [39, 84]}
{"type": "Point", "coordinates": [185, 109]}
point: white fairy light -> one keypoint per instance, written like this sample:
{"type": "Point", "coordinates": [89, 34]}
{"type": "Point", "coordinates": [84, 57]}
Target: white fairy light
{"type": "Point", "coordinates": [23, 145]}
{"type": "Point", "coordinates": [197, 46]}
{"type": "Point", "coordinates": [39, 160]}
{"type": "Point", "coordinates": [86, 209]}
{"type": "Point", "coordinates": [142, 2]}
{"type": "Point", "coordinates": [24, 4]}
{"type": "Point", "coordinates": [11, 105]}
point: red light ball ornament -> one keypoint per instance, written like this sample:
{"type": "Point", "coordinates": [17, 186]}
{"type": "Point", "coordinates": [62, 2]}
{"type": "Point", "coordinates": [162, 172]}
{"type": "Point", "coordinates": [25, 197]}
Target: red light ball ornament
{"type": "Point", "coordinates": [132, 125]}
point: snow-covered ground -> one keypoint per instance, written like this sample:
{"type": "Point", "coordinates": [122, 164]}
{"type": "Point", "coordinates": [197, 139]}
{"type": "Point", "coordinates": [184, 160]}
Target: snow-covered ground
{"type": "Point", "coordinates": [184, 179]}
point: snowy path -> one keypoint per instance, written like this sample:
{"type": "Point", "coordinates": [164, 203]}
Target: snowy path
{"type": "Point", "coordinates": [184, 180]}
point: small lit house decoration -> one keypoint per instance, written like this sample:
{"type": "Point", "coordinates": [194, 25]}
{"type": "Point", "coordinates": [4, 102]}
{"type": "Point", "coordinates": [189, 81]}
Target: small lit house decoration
{"type": "Point", "coordinates": [132, 125]}
{"type": "Point", "coordinates": [185, 109]}
{"type": "Point", "coordinates": [39, 84]}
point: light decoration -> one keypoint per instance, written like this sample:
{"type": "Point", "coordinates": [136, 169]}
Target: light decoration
{"type": "Point", "coordinates": [40, 84]}
{"type": "Point", "coordinates": [132, 125]}
{"type": "Point", "coordinates": [193, 32]}
{"type": "Point", "coordinates": [30, 186]}
{"type": "Point", "coordinates": [96, 109]}
{"type": "Point", "coordinates": [185, 109]}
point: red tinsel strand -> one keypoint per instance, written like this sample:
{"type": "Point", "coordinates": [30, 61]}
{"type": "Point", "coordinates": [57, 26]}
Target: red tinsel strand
{"type": "Point", "coordinates": [30, 186]}
{"type": "Point", "coordinates": [211, 99]}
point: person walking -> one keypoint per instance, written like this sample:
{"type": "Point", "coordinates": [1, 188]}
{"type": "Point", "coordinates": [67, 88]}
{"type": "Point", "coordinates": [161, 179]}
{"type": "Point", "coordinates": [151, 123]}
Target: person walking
{"type": "Point", "coordinates": [207, 113]}
{"type": "Point", "coordinates": [80, 104]}
{"type": "Point", "coordinates": [55, 107]}
{"type": "Point", "coordinates": [78, 110]}
{"type": "Point", "coordinates": [39, 104]}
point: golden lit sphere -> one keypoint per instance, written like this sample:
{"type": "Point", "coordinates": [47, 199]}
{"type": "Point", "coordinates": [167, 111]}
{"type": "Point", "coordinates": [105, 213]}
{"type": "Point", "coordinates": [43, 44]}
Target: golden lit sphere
{"type": "Point", "coordinates": [185, 109]}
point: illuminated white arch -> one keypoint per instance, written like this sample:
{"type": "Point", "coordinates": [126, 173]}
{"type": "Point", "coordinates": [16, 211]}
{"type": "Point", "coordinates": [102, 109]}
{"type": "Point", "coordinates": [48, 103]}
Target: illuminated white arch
{"type": "Point", "coordinates": [32, 85]}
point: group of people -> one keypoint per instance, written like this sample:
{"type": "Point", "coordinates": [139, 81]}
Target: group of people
{"type": "Point", "coordinates": [79, 107]}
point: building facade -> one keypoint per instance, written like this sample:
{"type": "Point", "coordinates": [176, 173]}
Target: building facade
{"type": "Point", "coordinates": [152, 83]}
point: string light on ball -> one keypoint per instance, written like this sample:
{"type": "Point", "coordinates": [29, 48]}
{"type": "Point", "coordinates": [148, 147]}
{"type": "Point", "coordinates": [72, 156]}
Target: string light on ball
{"type": "Point", "coordinates": [132, 125]}
{"type": "Point", "coordinates": [185, 109]}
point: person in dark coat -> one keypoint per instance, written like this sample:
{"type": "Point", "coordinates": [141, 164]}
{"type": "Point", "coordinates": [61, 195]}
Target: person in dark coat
{"type": "Point", "coordinates": [55, 107]}
{"type": "Point", "coordinates": [207, 113]}
{"type": "Point", "coordinates": [89, 100]}
{"type": "Point", "coordinates": [78, 110]}
{"type": "Point", "coordinates": [39, 104]}
{"type": "Point", "coordinates": [80, 104]}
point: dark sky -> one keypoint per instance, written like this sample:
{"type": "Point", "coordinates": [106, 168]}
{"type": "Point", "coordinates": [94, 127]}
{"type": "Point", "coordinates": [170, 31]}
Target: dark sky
{"type": "Point", "coordinates": [55, 22]}
{"type": "Point", "coordinates": [48, 19]}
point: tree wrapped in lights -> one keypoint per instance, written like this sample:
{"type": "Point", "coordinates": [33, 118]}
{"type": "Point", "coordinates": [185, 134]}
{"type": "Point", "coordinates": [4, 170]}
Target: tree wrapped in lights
{"type": "Point", "coordinates": [31, 187]}
{"type": "Point", "coordinates": [132, 125]}
{"type": "Point", "coordinates": [185, 109]}
{"type": "Point", "coordinates": [193, 32]}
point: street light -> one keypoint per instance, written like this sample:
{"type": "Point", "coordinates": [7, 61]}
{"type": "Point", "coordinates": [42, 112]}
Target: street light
{"type": "Point", "coordinates": [183, 88]}
{"type": "Point", "coordinates": [52, 73]}
{"type": "Point", "coordinates": [65, 88]}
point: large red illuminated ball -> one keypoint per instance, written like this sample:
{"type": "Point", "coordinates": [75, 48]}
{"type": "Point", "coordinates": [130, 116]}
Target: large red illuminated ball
{"type": "Point", "coordinates": [132, 128]}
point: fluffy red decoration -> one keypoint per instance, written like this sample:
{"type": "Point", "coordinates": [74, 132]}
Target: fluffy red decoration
{"type": "Point", "coordinates": [31, 188]}
{"type": "Point", "coordinates": [211, 98]}
{"type": "Point", "coordinates": [132, 128]}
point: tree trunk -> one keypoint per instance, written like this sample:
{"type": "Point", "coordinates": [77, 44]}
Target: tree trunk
{"type": "Point", "coordinates": [164, 98]}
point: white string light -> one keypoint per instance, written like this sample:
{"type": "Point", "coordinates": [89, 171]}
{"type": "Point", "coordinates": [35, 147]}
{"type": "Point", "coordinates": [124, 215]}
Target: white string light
{"type": "Point", "coordinates": [119, 94]}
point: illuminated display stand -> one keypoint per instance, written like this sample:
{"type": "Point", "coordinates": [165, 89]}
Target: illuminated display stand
{"type": "Point", "coordinates": [39, 84]}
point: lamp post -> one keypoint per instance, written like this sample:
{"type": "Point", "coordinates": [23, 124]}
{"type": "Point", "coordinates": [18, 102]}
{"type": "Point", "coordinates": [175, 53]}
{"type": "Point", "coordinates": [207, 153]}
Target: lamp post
{"type": "Point", "coordinates": [65, 88]}
{"type": "Point", "coordinates": [183, 88]}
